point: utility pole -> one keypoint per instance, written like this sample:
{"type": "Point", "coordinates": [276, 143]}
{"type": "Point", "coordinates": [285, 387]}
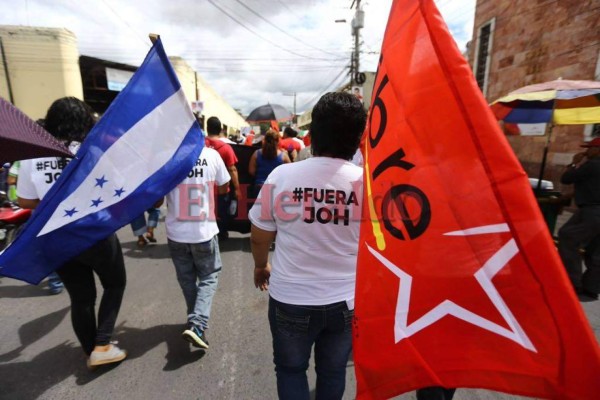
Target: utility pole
{"type": "Point", "coordinates": [358, 22]}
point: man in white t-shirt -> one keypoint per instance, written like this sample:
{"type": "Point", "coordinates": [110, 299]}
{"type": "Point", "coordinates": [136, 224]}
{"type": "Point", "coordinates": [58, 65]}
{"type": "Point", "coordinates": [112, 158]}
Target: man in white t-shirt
{"type": "Point", "coordinates": [314, 208]}
{"type": "Point", "coordinates": [192, 234]}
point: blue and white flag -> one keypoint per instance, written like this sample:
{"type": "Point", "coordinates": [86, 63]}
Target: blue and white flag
{"type": "Point", "coordinates": [143, 146]}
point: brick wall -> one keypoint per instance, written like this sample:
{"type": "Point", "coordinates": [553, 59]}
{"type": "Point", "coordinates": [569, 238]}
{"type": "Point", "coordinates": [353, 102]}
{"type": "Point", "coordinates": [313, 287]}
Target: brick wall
{"type": "Point", "coordinates": [536, 41]}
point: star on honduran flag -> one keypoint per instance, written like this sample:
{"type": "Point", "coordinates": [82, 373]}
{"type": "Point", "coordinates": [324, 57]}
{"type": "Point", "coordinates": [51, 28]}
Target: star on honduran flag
{"type": "Point", "coordinates": [459, 283]}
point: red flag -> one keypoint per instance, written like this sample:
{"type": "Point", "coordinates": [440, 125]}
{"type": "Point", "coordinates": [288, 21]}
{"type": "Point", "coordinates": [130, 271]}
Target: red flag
{"type": "Point", "coordinates": [459, 283]}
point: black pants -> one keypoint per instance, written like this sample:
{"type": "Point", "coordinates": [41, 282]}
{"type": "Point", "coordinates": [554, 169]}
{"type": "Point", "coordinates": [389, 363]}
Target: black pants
{"type": "Point", "coordinates": [582, 230]}
{"type": "Point", "coordinates": [105, 258]}
{"type": "Point", "coordinates": [435, 393]}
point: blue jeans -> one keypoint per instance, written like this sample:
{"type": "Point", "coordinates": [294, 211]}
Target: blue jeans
{"type": "Point", "coordinates": [295, 329]}
{"type": "Point", "coordinates": [138, 225]}
{"type": "Point", "coordinates": [197, 266]}
{"type": "Point", "coordinates": [54, 282]}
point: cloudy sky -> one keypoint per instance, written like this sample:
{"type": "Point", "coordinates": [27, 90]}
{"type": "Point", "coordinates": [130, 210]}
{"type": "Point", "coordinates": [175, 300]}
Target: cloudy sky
{"type": "Point", "coordinates": [250, 51]}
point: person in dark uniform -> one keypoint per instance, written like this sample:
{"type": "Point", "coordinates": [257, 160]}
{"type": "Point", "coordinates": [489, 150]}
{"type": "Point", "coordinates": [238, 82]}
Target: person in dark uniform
{"type": "Point", "coordinates": [582, 230]}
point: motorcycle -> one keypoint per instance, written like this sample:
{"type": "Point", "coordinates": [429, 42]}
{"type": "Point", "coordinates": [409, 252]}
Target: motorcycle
{"type": "Point", "coordinates": [12, 217]}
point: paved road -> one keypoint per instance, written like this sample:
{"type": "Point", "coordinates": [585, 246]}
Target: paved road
{"type": "Point", "coordinates": [41, 359]}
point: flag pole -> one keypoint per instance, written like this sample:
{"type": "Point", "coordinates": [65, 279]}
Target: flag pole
{"type": "Point", "coordinates": [543, 165]}
{"type": "Point", "coordinates": [549, 129]}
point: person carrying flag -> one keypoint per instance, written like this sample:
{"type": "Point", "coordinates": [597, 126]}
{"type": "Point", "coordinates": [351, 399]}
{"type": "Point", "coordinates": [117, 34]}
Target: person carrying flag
{"type": "Point", "coordinates": [311, 283]}
{"type": "Point", "coordinates": [69, 119]}
{"type": "Point", "coordinates": [582, 230]}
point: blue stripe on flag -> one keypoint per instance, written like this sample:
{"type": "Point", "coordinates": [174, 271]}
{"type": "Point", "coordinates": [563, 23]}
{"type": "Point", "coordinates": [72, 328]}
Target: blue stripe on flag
{"type": "Point", "coordinates": [32, 256]}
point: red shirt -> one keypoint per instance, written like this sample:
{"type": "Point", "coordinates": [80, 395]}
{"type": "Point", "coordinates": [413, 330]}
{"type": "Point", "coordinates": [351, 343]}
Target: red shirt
{"type": "Point", "coordinates": [289, 144]}
{"type": "Point", "coordinates": [224, 150]}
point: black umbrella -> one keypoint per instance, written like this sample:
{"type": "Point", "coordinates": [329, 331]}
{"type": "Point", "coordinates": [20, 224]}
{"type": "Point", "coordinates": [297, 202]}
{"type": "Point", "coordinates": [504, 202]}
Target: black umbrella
{"type": "Point", "coordinates": [22, 138]}
{"type": "Point", "coordinates": [269, 112]}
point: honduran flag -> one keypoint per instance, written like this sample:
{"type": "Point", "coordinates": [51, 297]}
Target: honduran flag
{"type": "Point", "coordinates": [143, 146]}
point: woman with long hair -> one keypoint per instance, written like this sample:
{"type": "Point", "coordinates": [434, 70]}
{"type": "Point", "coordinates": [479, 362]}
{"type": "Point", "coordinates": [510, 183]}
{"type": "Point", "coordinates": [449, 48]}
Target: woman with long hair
{"type": "Point", "coordinates": [265, 160]}
{"type": "Point", "coordinates": [70, 119]}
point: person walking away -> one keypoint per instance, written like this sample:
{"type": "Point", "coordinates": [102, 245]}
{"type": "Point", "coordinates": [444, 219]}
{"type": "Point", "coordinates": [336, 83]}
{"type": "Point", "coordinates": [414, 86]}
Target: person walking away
{"type": "Point", "coordinates": [145, 230]}
{"type": "Point", "coordinates": [69, 119]}
{"type": "Point", "coordinates": [213, 129]}
{"type": "Point", "coordinates": [192, 238]}
{"type": "Point", "coordinates": [264, 161]}
{"type": "Point", "coordinates": [312, 278]}
{"type": "Point", "coordinates": [55, 285]}
{"type": "Point", "coordinates": [289, 144]}
{"type": "Point", "coordinates": [582, 230]}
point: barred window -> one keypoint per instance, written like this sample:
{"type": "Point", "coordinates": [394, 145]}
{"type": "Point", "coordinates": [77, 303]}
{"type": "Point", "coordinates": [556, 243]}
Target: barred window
{"type": "Point", "coordinates": [483, 54]}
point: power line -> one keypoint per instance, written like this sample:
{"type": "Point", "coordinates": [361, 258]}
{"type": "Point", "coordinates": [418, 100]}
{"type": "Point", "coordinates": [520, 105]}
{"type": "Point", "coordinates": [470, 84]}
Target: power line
{"type": "Point", "coordinates": [259, 35]}
{"type": "Point", "coordinates": [324, 90]}
{"type": "Point", "coordinates": [281, 30]}
{"type": "Point", "coordinates": [126, 23]}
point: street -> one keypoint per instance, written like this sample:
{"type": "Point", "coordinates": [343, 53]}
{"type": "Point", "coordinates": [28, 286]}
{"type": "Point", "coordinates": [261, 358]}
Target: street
{"type": "Point", "coordinates": [40, 357]}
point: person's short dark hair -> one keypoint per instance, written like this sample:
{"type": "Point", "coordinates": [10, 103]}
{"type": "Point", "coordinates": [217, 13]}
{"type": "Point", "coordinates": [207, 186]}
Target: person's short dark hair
{"type": "Point", "coordinates": [290, 132]}
{"type": "Point", "coordinates": [69, 119]}
{"type": "Point", "coordinates": [338, 122]}
{"type": "Point", "coordinates": [213, 126]}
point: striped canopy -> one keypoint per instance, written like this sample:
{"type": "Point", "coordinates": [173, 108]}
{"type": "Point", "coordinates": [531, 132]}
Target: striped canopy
{"type": "Point", "coordinates": [561, 102]}
{"type": "Point", "coordinates": [22, 138]}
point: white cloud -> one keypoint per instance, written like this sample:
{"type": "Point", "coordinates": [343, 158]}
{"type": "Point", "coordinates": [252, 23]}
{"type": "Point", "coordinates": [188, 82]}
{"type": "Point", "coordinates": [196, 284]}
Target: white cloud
{"type": "Point", "coordinates": [249, 61]}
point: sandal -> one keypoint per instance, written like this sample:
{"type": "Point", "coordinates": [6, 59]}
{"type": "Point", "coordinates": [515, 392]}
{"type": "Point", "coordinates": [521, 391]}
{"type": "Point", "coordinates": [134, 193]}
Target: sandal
{"type": "Point", "coordinates": [150, 238]}
{"type": "Point", "coordinates": [141, 242]}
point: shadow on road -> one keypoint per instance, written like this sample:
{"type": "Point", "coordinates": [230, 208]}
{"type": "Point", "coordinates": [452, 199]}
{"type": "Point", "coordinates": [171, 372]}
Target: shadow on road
{"type": "Point", "coordinates": [138, 341]}
{"type": "Point", "coordinates": [153, 251]}
{"type": "Point", "coordinates": [21, 291]}
{"type": "Point", "coordinates": [235, 244]}
{"type": "Point", "coordinates": [30, 379]}
{"type": "Point", "coordinates": [32, 331]}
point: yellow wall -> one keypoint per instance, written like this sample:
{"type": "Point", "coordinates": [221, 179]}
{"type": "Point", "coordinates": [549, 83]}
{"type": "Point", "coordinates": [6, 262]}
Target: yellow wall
{"type": "Point", "coordinates": [215, 106]}
{"type": "Point", "coordinates": [43, 65]}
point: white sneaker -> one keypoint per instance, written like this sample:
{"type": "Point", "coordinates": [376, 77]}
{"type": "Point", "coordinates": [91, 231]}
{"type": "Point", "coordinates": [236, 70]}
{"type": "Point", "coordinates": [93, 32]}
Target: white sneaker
{"type": "Point", "coordinates": [112, 355]}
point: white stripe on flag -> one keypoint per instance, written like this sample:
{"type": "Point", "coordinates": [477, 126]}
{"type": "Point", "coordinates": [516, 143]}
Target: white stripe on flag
{"type": "Point", "coordinates": [137, 155]}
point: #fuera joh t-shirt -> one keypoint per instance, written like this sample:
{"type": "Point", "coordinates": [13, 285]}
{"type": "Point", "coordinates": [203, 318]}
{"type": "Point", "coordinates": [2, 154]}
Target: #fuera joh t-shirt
{"type": "Point", "coordinates": [191, 205]}
{"type": "Point", "coordinates": [315, 207]}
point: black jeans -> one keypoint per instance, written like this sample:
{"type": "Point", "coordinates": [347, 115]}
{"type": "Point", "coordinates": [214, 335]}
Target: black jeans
{"type": "Point", "coordinates": [105, 258]}
{"type": "Point", "coordinates": [435, 393]}
{"type": "Point", "coordinates": [582, 230]}
{"type": "Point", "coordinates": [223, 217]}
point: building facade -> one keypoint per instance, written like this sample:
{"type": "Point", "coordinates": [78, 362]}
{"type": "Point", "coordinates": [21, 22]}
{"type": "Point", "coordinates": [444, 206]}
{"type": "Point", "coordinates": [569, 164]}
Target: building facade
{"type": "Point", "coordinates": [40, 65]}
{"type": "Point", "coordinates": [37, 66]}
{"type": "Point", "coordinates": [521, 42]}
{"type": "Point", "coordinates": [366, 91]}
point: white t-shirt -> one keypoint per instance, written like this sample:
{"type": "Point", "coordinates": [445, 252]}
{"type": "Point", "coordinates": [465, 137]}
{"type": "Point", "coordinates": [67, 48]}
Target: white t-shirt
{"type": "Point", "coordinates": [315, 207]}
{"type": "Point", "coordinates": [36, 176]}
{"type": "Point", "coordinates": [191, 205]}
{"type": "Point", "coordinates": [227, 140]}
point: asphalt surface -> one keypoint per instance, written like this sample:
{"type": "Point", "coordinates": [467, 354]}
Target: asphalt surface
{"type": "Point", "coordinates": [40, 357]}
